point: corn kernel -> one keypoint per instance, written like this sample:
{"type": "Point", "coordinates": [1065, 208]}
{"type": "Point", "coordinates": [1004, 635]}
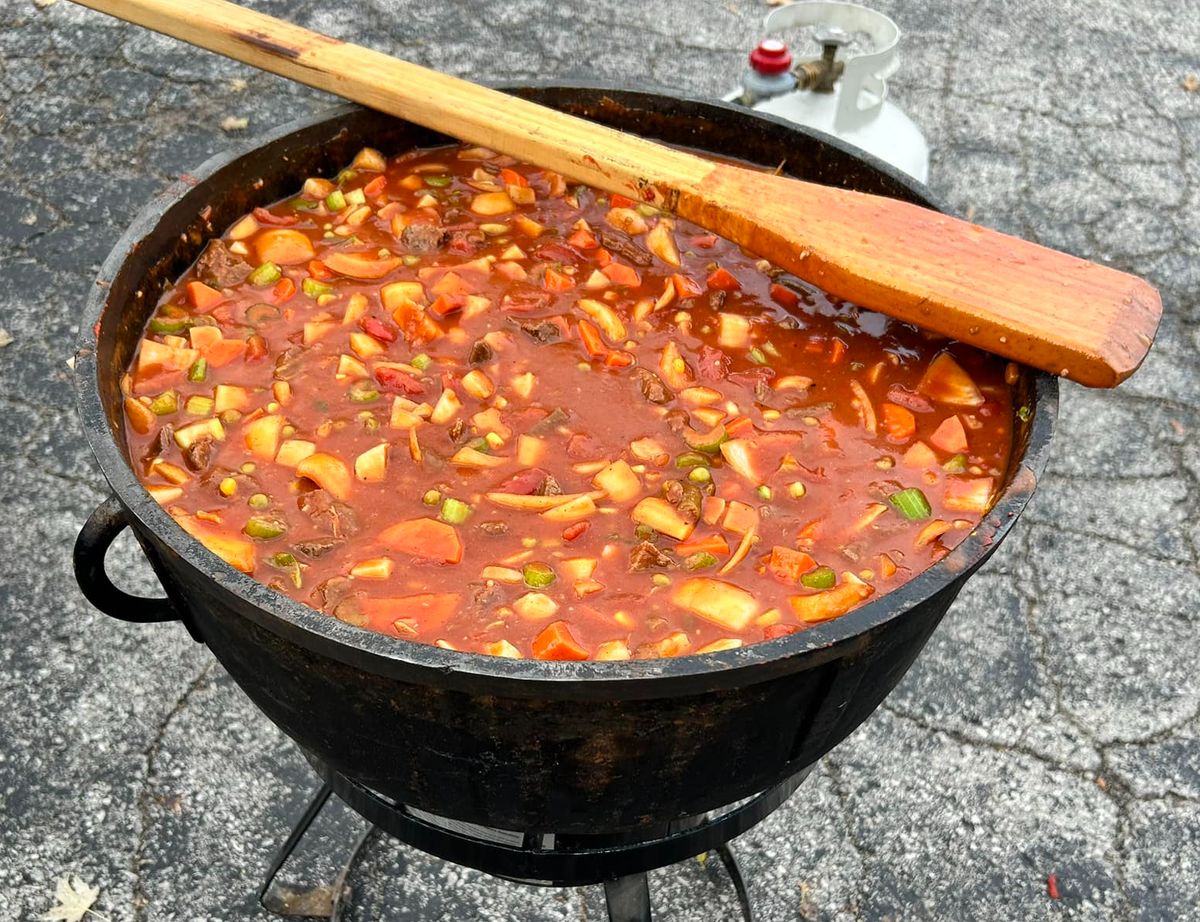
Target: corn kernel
{"type": "Point", "coordinates": [227, 487]}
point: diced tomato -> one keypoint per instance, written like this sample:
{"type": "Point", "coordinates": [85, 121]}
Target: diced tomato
{"type": "Point", "coordinates": [572, 532]}
{"type": "Point", "coordinates": [788, 565]}
{"type": "Point", "coordinates": [898, 422]}
{"type": "Point", "coordinates": [425, 538]}
{"type": "Point", "coordinates": [396, 380]}
{"type": "Point", "coordinates": [556, 642]}
{"type": "Point", "coordinates": [583, 239]}
{"type": "Point", "coordinates": [704, 241]}
{"type": "Point", "coordinates": [375, 186]}
{"type": "Point", "coordinates": [420, 613]}
{"type": "Point", "coordinates": [617, 200]}
{"type": "Point", "coordinates": [283, 290]}
{"type": "Point", "coordinates": [320, 271]}
{"type": "Point", "coordinates": [947, 382]}
{"type": "Point", "coordinates": [620, 274]}
{"type": "Point", "coordinates": [784, 296]}
{"type": "Point", "coordinates": [739, 426]}
{"type": "Point", "coordinates": [590, 337]}
{"type": "Point", "coordinates": [377, 328]}
{"type": "Point", "coordinates": [262, 216]}
{"type": "Point", "coordinates": [513, 178]}
{"type": "Point", "coordinates": [557, 281]}
{"type": "Point", "coordinates": [686, 287]}
{"type": "Point", "coordinates": [619, 359]}
{"type": "Point", "coordinates": [202, 297]}
{"type": "Point", "coordinates": [723, 280]}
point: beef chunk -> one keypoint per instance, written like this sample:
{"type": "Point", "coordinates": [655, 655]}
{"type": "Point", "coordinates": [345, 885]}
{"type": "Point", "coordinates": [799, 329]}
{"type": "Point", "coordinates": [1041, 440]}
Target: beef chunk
{"type": "Point", "coordinates": [645, 556]}
{"type": "Point", "coordinates": [336, 518]}
{"type": "Point", "coordinates": [422, 238]}
{"type": "Point", "coordinates": [481, 351]}
{"type": "Point", "coordinates": [621, 245]}
{"type": "Point", "coordinates": [713, 364]}
{"type": "Point", "coordinates": [540, 331]}
{"type": "Point", "coordinates": [219, 268]}
{"type": "Point", "coordinates": [162, 441]}
{"type": "Point", "coordinates": [494, 529]}
{"type": "Point", "coordinates": [317, 547]}
{"type": "Point", "coordinates": [199, 454]}
{"type": "Point", "coordinates": [652, 386]}
{"type": "Point", "coordinates": [529, 483]}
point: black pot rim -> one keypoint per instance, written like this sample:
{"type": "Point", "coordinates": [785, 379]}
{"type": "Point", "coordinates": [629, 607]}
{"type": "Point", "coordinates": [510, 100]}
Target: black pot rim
{"type": "Point", "coordinates": [378, 653]}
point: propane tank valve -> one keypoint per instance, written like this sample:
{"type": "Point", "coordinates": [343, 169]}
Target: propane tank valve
{"type": "Point", "coordinates": [820, 74]}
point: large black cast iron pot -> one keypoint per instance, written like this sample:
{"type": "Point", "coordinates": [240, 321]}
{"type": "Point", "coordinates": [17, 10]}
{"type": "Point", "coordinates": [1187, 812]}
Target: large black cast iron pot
{"type": "Point", "coordinates": [562, 747]}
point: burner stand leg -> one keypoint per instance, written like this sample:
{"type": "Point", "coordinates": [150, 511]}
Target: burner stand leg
{"type": "Point", "coordinates": [289, 846]}
{"type": "Point", "coordinates": [628, 899]}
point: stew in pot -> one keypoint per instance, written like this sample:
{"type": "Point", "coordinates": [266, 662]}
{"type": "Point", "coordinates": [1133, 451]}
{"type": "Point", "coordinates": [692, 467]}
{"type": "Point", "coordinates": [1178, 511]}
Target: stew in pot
{"type": "Point", "coordinates": [453, 398]}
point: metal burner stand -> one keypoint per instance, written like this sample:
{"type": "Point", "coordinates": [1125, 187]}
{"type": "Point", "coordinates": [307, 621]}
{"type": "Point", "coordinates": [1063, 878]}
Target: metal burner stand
{"type": "Point", "coordinates": [619, 861]}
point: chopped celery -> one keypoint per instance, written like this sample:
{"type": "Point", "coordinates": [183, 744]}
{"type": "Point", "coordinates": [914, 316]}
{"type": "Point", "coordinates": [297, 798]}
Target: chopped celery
{"type": "Point", "coordinates": [165, 403]}
{"type": "Point", "coordinates": [911, 504]}
{"type": "Point", "coordinates": [690, 459]}
{"type": "Point", "coordinates": [363, 391]}
{"type": "Point", "coordinates": [820, 578]}
{"type": "Point", "coordinates": [170, 325]}
{"type": "Point", "coordinates": [1024, 413]}
{"type": "Point", "coordinates": [420, 361]}
{"type": "Point", "coordinates": [538, 575]}
{"type": "Point", "coordinates": [315, 289]}
{"type": "Point", "coordinates": [265, 527]}
{"type": "Point", "coordinates": [956, 465]}
{"type": "Point", "coordinates": [302, 204]}
{"type": "Point", "coordinates": [770, 349]}
{"type": "Point", "coordinates": [282, 561]}
{"type": "Point", "coordinates": [258, 314]}
{"type": "Point", "coordinates": [199, 406]}
{"type": "Point", "coordinates": [455, 511]}
{"type": "Point", "coordinates": [701, 561]}
{"type": "Point", "coordinates": [266, 274]}
{"type": "Point", "coordinates": [706, 441]}
{"type": "Point", "coordinates": [764, 493]}
{"type": "Point", "coordinates": [336, 200]}
{"type": "Point", "coordinates": [437, 182]}
{"type": "Point", "coordinates": [757, 357]}
{"type": "Point", "coordinates": [199, 370]}
{"type": "Point", "coordinates": [345, 176]}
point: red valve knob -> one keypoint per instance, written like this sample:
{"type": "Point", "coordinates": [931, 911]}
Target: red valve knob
{"type": "Point", "coordinates": [771, 57]}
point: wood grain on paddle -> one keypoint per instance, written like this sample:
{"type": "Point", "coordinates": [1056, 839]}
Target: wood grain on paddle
{"type": "Point", "coordinates": [1065, 315]}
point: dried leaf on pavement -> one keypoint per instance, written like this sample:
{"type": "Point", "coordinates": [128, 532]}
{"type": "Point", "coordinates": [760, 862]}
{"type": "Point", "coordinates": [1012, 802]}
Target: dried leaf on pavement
{"type": "Point", "coordinates": [75, 899]}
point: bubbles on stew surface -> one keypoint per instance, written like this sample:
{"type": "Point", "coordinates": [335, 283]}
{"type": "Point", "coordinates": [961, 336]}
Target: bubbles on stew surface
{"type": "Point", "coordinates": [460, 400]}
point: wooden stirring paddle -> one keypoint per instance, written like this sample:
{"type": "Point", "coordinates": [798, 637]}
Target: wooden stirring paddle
{"type": "Point", "coordinates": [1056, 312]}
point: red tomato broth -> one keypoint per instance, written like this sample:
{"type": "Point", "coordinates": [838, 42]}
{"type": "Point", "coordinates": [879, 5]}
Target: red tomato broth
{"type": "Point", "coordinates": [829, 505]}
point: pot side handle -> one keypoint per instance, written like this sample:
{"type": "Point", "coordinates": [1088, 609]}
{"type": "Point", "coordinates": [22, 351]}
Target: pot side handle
{"type": "Point", "coordinates": [98, 533]}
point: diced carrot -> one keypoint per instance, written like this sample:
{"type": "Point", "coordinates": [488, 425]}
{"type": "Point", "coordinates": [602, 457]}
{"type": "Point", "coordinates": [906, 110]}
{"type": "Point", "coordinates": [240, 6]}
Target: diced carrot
{"type": "Point", "coordinates": [723, 280]}
{"type": "Point", "coordinates": [617, 200]}
{"type": "Point", "coordinates": [361, 265]}
{"type": "Point", "coordinates": [283, 290]}
{"type": "Point", "coordinates": [557, 281]}
{"type": "Point", "coordinates": [555, 642]}
{"type": "Point", "coordinates": [420, 613]}
{"type": "Point", "coordinates": [620, 274]}
{"type": "Point", "coordinates": [968, 495]}
{"type": "Point", "coordinates": [583, 239]}
{"type": "Point", "coordinates": [328, 472]}
{"type": "Point", "coordinates": [739, 426]}
{"type": "Point", "coordinates": [837, 352]}
{"type": "Point", "coordinates": [319, 270]}
{"type": "Point", "coordinates": [446, 304]}
{"type": "Point", "coordinates": [704, 241]}
{"type": "Point", "coordinates": [946, 381]}
{"type": "Point", "coordinates": [788, 565]}
{"type": "Point", "coordinates": [822, 606]}
{"type": "Point", "coordinates": [710, 544]}
{"type": "Point", "coordinates": [784, 296]}
{"type": "Point", "coordinates": [685, 286]}
{"type": "Point", "coordinates": [887, 566]}
{"type": "Point", "coordinates": [950, 436]}
{"type": "Point", "coordinates": [425, 538]}
{"type": "Point", "coordinates": [740, 518]}
{"type": "Point", "coordinates": [899, 423]}
{"type": "Point", "coordinates": [224, 352]}
{"type": "Point", "coordinates": [618, 359]}
{"type": "Point", "coordinates": [602, 257]}
{"type": "Point", "coordinates": [375, 186]}
{"type": "Point", "coordinates": [202, 297]}
{"type": "Point", "coordinates": [283, 246]}
{"type": "Point", "coordinates": [590, 337]}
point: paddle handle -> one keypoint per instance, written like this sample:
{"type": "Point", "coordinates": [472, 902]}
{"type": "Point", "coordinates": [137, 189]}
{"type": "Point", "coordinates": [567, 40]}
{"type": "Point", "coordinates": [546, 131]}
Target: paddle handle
{"type": "Point", "coordinates": [1031, 304]}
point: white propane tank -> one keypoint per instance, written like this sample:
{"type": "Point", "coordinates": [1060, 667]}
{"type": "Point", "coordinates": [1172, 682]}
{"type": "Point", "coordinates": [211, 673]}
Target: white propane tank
{"type": "Point", "coordinates": [843, 96]}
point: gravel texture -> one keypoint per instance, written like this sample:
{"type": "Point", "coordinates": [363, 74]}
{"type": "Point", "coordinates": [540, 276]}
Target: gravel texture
{"type": "Point", "coordinates": [1052, 726]}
